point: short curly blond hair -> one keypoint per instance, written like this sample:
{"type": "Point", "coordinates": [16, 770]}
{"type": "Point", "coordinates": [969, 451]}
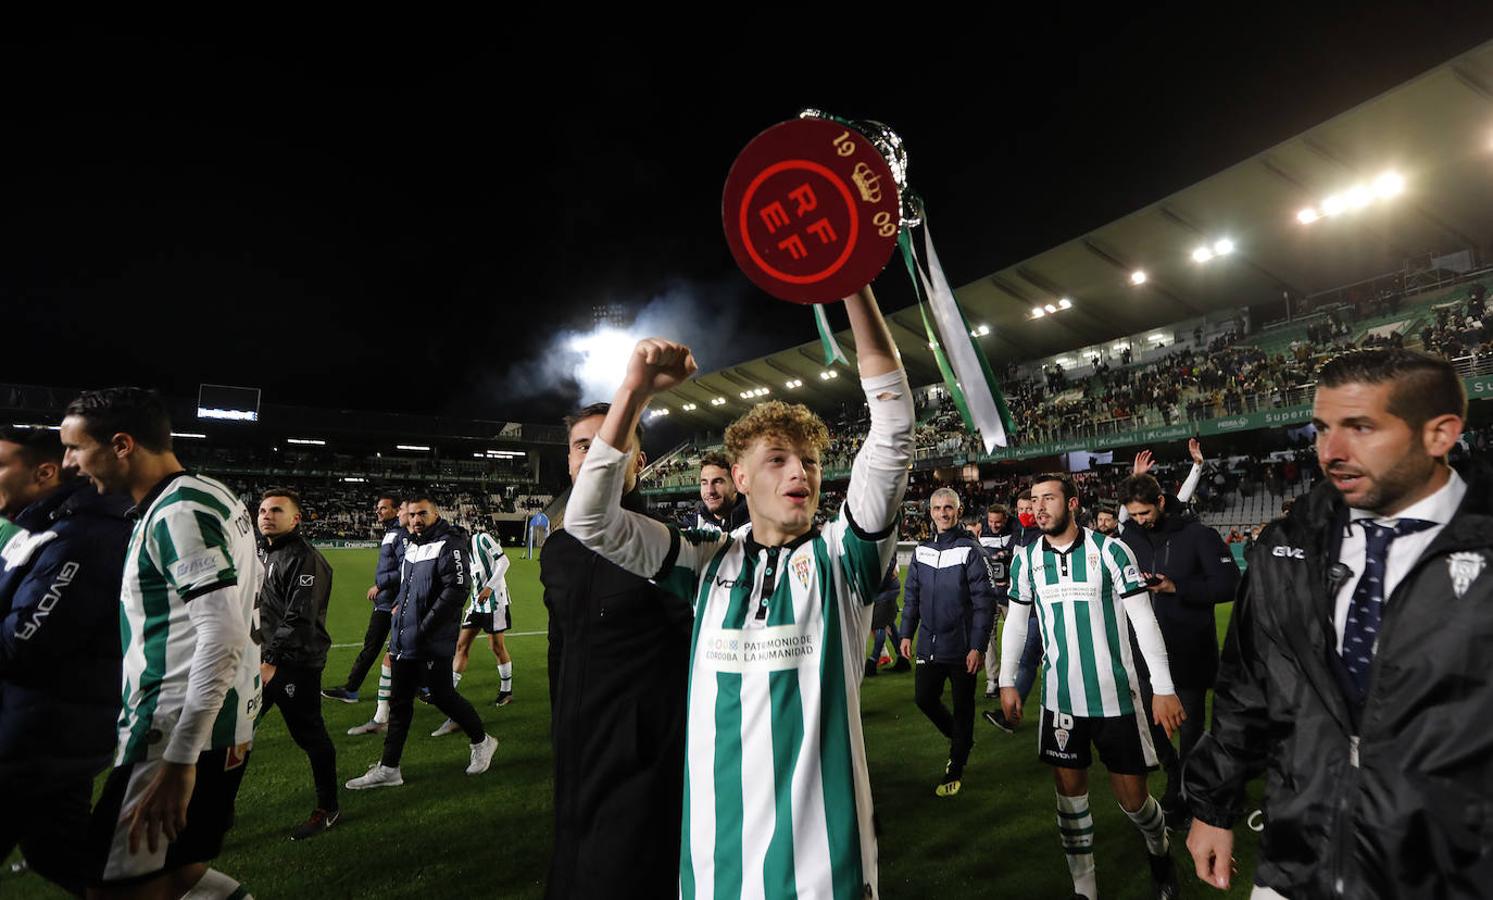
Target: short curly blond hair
{"type": "Point", "coordinates": [793, 422]}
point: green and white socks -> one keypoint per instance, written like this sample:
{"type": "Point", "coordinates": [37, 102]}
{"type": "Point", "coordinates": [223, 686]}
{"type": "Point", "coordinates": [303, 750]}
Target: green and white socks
{"type": "Point", "coordinates": [1076, 827]}
{"type": "Point", "coordinates": [1152, 824]}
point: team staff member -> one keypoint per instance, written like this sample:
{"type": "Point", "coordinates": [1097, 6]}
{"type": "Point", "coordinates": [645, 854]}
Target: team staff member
{"type": "Point", "coordinates": [432, 590]}
{"type": "Point", "coordinates": [293, 644]}
{"type": "Point", "coordinates": [618, 664]}
{"type": "Point", "coordinates": [390, 512]}
{"type": "Point", "coordinates": [1189, 571]}
{"type": "Point", "coordinates": [191, 672]}
{"type": "Point", "coordinates": [998, 539]}
{"type": "Point", "coordinates": [59, 652]}
{"type": "Point", "coordinates": [950, 594]}
{"type": "Point", "coordinates": [721, 507]}
{"type": "Point", "coordinates": [1355, 674]}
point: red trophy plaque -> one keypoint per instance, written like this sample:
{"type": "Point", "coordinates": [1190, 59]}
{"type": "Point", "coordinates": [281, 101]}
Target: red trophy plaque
{"type": "Point", "coordinates": [811, 210]}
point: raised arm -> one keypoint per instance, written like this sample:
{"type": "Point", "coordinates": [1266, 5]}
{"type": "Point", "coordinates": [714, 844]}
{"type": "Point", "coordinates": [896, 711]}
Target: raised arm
{"type": "Point", "coordinates": [595, 516]}
{"type": "Point", "coordinates": [878, 477]}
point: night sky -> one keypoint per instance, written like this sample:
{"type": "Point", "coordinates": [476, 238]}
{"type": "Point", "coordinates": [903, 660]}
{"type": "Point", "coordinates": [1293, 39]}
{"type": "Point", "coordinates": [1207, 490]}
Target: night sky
{"type": "Point", "coordinates": [403, 220]}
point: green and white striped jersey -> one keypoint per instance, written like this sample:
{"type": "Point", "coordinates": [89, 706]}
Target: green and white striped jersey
{"type": "Point", "coordinates": [488, 566]}
{"type": "Point", "coordinates": [194, 537]}
{"type": "Point", "coordinates": [1077, 599]}
{"type": "Point", "coordinates": [777, 798]}
{"type": "Point", "coordinates": [777, 795]}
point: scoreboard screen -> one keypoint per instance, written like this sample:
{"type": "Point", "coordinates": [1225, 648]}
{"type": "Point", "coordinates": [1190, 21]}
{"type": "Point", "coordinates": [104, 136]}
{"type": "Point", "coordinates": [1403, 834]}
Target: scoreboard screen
{"type": "Point", "coordinates": [233, 404]}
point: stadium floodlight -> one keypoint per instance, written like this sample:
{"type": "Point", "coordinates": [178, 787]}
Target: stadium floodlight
{"type": "Point", "coordinates": [1357, 197]}
{"type": "Point", "coordinates": [353, 479]}
{"type": "Point", "coordinates": [1223, 247]}
{"type": "Point", "coordinates": [1155, 337]}
{"type": "Point", "coordinates": [1308, 215]}
{"type": "Point", "coordinates": [1138, 277]}
{"type": "Point", "coordinates": [312, 441]}
{"type": "Point", "coordinates": [718, 401]}
{"type": "Point", "coordinates": [688, 407]}
{"type": "Point", "coordinates": [1333, 205]}
{"type": "Point", "coordinates": [188, 434]}
{"type": "Point", "coordinates": [1202, 255]}
{"type": "Point", "coordinates": [1388, 184]}
{"type": "Point", "coordinates": [1038, 312]}
{"type": "Point", "coordinates": [410, 447]}
{"type": "Point", "coordinates": [44, 427]}
{"type": "Point", "coordinates": [794, 383]}
{"type": "Point", "coordinates": [1051, 308]}
{"type": "Point", "coordinates": [1065, 303]}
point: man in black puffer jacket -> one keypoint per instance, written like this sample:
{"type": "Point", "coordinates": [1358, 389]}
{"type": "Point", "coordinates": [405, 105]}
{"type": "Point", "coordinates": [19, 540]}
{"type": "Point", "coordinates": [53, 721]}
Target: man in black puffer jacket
{"type": "Point", "coordinates": [432, 589]}
{"type": "Point", "coordinates": [59, 652]}
{"type": "Point", "coordinates": [293, 644]}
{"type": "Point", "coordinates": [950, 594]}
{"type": "Point", "coordinates": [1189, 571]}
{"type": "Point", "coordinates": [1355, 674]}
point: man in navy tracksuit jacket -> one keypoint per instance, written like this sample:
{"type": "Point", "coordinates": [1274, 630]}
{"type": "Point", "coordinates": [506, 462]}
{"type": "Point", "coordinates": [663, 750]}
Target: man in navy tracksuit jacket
{"type": "Point", "coordinates": [949, 592]}
{"type": "Point", "coordinates": [59, 652]}
{"type": "Point", "coordinates": [433, 587]}
{"type": "Point", "coordinates": [385, 587]}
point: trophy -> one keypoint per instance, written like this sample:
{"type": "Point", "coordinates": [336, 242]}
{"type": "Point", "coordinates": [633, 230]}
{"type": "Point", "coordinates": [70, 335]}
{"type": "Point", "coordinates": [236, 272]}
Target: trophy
{"type": "Point", "coordinates": [813, 206]}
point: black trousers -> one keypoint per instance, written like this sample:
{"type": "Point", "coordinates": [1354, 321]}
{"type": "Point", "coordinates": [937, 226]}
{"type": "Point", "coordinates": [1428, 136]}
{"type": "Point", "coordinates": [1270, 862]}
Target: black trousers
{"type": "Point", "coordinates": [47, 816]}
{"type": "Point", "coordinates": [958, 726]}
{"type": "Point", "coordinates": [409, 676]}
{"type": "Point", "coordinates": [1195, 705]}
{"type": "Point", "coordinates": [297, 691]}
{"type": "Point", "coordinates": [375, 639]}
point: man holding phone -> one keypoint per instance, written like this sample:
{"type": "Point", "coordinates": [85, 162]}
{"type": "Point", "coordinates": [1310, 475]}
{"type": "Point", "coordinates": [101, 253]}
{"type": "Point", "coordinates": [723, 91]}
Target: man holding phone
{"type": "Point", "coordinates": [1188, 570]}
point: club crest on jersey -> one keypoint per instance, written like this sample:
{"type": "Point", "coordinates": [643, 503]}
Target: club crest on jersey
{"type": "Point", "coordinates": [1060, 733]}
{"type": "Point", "coordinates": [307, 580]}
{"type": "Point", "coordinates": [801, 570]}
{"type": "Point", "coordinates": [1464, 569]}
{"type": "Point", "coordinates": [290, 691]}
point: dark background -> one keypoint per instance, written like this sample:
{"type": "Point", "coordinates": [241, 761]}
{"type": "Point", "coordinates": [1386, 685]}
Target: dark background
{"type": "Point", "coordinates": [402, 219]}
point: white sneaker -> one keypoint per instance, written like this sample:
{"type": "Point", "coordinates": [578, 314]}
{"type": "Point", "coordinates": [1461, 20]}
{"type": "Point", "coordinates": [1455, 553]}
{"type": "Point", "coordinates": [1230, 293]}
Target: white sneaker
{"type": "Point", "coordinates": [378, 775]}
{"type": "Point", "coordinates": [447, 727]}
{"type": "Point", "coordinates": [369, 727]}
{"type": "Point", "coordinates": [482, 755]}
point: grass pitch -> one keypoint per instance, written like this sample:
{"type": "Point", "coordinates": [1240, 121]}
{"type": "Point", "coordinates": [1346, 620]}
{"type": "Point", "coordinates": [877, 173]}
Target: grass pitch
{"type": "Point", "coordinates": [449, 835]}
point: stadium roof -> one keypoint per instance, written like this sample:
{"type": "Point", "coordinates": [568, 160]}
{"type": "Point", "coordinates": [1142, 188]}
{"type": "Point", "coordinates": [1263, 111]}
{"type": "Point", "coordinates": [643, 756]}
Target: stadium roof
{"type": "Point", "coordinates": [1435, 131]}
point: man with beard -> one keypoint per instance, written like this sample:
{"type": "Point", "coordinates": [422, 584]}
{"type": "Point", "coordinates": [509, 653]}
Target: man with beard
{"type": "Point", "coordinates": [1189, 571]}
{"type": "Point", "coordinates": [1355, 670]}
{"type": "Point", "coordinates": [721, 507]}
{"type": "Point", "coordinates": [1089, 595]}
{"type": "Point", "coordinates": [618, 665]}
{"type": "Point", "coordinates": [59, 651]}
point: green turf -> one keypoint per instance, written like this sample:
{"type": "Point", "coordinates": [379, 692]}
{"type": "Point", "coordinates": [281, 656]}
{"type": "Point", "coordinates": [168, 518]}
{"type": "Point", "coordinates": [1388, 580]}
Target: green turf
{"type": "Point", "coordinates": [450, 835]}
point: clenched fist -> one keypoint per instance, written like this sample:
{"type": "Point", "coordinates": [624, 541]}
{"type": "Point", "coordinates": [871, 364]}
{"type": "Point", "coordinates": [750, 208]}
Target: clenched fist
{"type": "Point", "coordinates": [657, 365]}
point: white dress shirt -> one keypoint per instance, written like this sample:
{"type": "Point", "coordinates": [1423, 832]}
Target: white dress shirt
{"type": "Point", "coordinates": [1403, 551]}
